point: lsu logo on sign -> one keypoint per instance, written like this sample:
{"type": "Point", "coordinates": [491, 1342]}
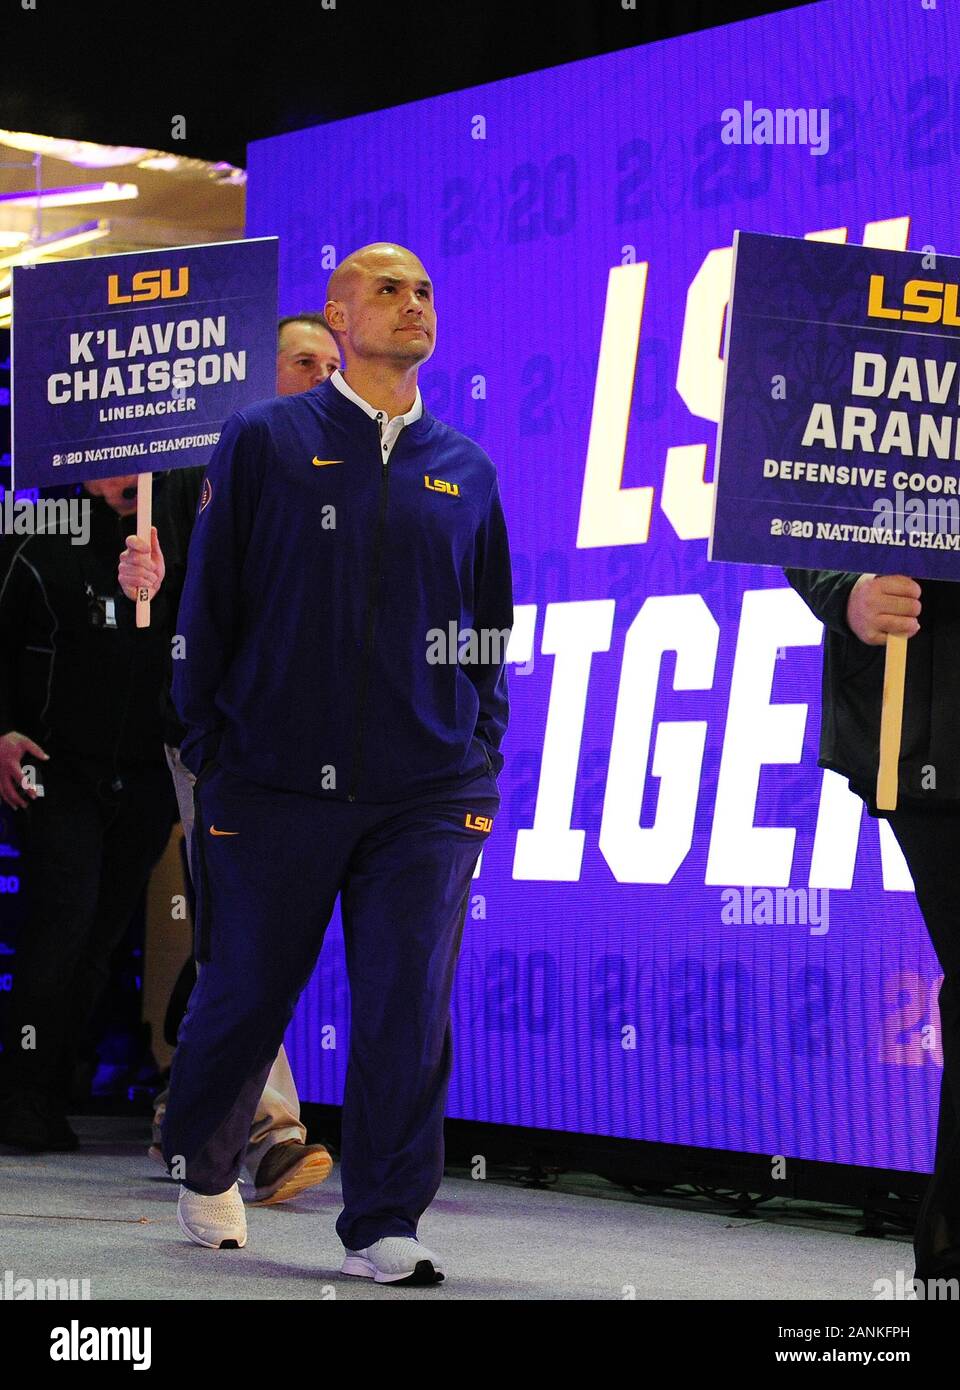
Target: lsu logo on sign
{"type": "Point", "coordinates": [206, 493]}
{"type": "Point", "coordinates": [926, 301]}
{"type": "Point", "coordinates": [439, 485]}
{"type": "Point", "coordinates": [149, 284]}
{"type": "Point", "coordinates": [483, 823]}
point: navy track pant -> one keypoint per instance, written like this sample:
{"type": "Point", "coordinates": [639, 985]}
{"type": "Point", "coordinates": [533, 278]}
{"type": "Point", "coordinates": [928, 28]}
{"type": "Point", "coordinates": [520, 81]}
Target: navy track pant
{"type": "Point", "coordinates": [268, 866]}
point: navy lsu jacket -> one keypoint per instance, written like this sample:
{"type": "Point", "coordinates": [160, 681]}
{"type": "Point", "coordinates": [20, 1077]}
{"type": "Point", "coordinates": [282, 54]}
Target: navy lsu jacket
{"type": "Point", "coordinates": [318, 579]}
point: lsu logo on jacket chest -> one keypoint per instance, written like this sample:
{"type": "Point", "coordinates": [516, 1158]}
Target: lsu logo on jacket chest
{"type": "Point", "coordinates": [441, 485]}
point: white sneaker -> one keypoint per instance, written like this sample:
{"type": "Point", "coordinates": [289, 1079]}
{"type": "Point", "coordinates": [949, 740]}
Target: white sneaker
{"type": "Point", "coordinates": [218, 1222]}
{"type": "Point", "coordinates": [394, 1260]}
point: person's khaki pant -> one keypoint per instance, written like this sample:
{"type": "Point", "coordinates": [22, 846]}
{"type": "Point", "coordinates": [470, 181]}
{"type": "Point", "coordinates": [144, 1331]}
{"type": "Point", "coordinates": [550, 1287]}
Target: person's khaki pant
{"type": "Point", "coordinates": [278, 1114]}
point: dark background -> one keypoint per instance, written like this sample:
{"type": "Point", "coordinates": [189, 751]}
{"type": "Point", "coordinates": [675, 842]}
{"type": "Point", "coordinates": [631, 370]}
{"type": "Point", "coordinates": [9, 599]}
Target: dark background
{"type": "Point", "coordinates": [118, 73]}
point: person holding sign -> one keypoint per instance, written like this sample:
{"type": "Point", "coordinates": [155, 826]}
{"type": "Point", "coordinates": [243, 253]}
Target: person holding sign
{"type": "Point", "coordinates": [338, 751]}
{"type": "Point", "coordinates": [81, 765]}
{"type": "Point", "coordinates": [859, 611]}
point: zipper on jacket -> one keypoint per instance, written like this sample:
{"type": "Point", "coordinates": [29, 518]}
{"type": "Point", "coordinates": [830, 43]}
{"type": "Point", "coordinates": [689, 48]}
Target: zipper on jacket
{"type": "Point", "coordinates": [373, 594]}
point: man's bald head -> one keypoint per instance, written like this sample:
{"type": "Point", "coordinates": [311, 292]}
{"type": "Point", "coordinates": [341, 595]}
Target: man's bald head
{"type": "Point", "coordinates": [380, 305]}
{"type": "Point", "coordinates": [379, 255]}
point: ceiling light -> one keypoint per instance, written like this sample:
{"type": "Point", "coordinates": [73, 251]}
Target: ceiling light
{"type": "Point", "coordinates": [166, 163]}
{"type": "Point", "coordinates": [69, 197]}
{"type": "Point", "coordinates": [84, 153]}
{"type": "Point", "coordinates": [227, 173]}
{"type": "Point", "coordinates": [58, 242]}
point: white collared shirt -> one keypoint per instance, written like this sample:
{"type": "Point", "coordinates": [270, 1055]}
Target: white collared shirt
{"type": "Point", "coordinates": [392, 427]}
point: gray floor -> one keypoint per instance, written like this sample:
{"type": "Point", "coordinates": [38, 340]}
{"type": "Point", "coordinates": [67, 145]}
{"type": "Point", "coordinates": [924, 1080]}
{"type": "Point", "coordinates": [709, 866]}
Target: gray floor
{"type": "Point", "coordinates": [107, 1213]}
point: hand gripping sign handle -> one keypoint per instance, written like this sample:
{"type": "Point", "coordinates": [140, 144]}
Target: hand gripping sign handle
{"type": "Point", "coordinates": [891, 720]}
{"type": "Point", "coordinates": [144, 523]}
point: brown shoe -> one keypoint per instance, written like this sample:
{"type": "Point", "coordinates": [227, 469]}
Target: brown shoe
{"type": "Point", "coordinates": [287, 1169]}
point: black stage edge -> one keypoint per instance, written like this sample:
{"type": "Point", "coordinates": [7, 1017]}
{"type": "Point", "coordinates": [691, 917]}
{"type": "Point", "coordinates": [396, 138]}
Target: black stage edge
{"type": "Point", "coordinates": [887, 1197]}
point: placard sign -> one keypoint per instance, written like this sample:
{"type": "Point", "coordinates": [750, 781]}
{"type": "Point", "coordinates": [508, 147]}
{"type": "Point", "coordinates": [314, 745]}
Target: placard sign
{"type": "Point", "coordinates": [131, 363]}
{"type": "Point", "coordinates": [839, 438]}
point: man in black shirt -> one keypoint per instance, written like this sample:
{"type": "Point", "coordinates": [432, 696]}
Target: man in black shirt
{"type": "Point", "coordinates": [858, 611]}
{"type": "Point", "coordinates": [82, 766]}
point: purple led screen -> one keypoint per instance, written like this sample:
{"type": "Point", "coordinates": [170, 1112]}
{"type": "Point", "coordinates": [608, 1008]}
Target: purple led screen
{"type": "Point", "coordinates": [682, 930]}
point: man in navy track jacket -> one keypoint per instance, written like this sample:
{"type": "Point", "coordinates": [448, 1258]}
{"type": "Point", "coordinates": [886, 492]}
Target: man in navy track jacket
{"type": "Point", "coordinates": [344, 621]}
